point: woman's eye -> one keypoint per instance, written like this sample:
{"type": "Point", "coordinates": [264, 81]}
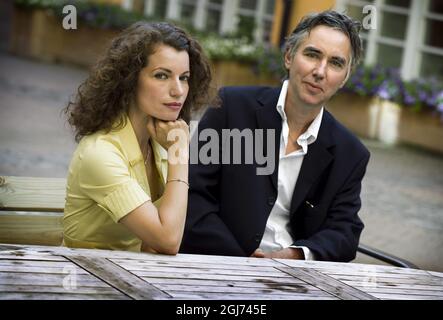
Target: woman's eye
{"type": "Point", "coordinates": [311, 55]}
{"type": "Point", "coordinates": [184, 78]}
{"type": "Point", "coordinates": [161, 76]}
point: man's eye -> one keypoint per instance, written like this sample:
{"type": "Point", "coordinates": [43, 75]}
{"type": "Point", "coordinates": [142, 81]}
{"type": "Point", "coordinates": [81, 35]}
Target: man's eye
{"type": "Point", "coordinates": [337, 64]}
{"type": "Point", "coordinates": [161, 76]}
{"type": "Point", "coordinates": [311, 54]}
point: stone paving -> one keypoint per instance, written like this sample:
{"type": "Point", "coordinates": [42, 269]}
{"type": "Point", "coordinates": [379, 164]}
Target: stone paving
{"type": "Point", "coordinates": [402, 192]}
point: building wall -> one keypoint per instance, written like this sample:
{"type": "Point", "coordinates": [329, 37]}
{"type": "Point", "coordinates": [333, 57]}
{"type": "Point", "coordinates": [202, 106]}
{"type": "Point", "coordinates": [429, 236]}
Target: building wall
{"type": "Point", "coordinates": [299, 9]}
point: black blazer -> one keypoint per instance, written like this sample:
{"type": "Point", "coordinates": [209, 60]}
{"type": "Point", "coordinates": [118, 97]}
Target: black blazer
{"type": "Point", "coordinates": [229, 204]}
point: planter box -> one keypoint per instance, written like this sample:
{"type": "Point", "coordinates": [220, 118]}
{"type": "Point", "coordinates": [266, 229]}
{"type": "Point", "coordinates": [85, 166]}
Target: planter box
{"type": "Point", "coordinates": [232, 73]}
{"type": "Point", "coordinates": [421, 128]}
{"type": "Point", "coordinates": [358, 114]}
{"type": "Point", "coordinates": [387, 122]}
{"type": "Point", "coordinates": [39, 35]}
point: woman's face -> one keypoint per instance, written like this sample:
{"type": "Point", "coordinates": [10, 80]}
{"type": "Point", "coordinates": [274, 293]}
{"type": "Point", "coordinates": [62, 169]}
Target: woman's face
{"type": "Point", "coordinates": [163, 84]}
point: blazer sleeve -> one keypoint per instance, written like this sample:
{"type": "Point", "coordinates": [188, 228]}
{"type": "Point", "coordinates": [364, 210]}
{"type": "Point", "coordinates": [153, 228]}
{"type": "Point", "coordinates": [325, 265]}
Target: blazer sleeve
{"type": "Point", "coordinates": [205, 231]}
{"type": "Point", "coordinates": [338, 238]}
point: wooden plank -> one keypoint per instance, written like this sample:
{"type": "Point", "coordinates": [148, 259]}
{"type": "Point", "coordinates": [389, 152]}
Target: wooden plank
{"type": "Point", "coordinates": [407, 291]}
{"type": "Point", "coordinates": [20, 252]}
{"type": "Point", "coordinates": [228, 261]}
{"type": "Point", "coordinates": [59, 296]}
{"type": "Point", "coordinates": [23, 279]}
{"type": "Point", "coordinates": [143, 265]}
{"type": "Point", "coordinates": [58, 289]}
{"type": "Point", "coordinates": [196, 271]}
{"type": "Point", "coordinates": [436, 274]}
{"type": "Point", "coordinates": [326, 266]}
{"type": "Point", "coordinates": [44, 228]}
{"type": "Point", "coordinates": [119, 278]}
{"type": "Point", "coordinates": [240, 283]}
{"type": "Point", "coordinates": [203, 276]}
{"type": "Point", "coordinates": [35, 263]}
{"type": "Point", "coordinates": [125, 256]}
{"type": "Point", "coordinates": [31, 194]}
{"type": "Point", "coordinates": [388, 281]}
{"type": "Point", "coordinates": [41, 270]}
{"type": "Point", "coordinates": [328, 284]}
{"type": "Point", "coordinates": [267, 283]}
{"type": "Point", "coordinates": [39, 257]}
{"type": "Point", "coordinates": [390, 296]}
{"type": "Point", "coordinates": [284, 290]}
{"type": "Point", "coordinates": [411, 286]}
{"type": "Point", "coordinates": [233, 296]}
{"type": "Point", "coordinates": [374, 273]}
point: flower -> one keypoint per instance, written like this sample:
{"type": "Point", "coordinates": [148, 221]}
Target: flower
{"type": "Point", "coordinates": [386, 83]}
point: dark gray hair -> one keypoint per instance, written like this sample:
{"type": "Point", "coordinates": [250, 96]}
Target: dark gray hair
{"type": "Point", "coordinates": [329, 18]}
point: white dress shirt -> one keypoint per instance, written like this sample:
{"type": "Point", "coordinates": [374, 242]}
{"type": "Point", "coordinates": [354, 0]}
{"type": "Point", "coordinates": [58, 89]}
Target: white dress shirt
{"type": "Point", "coordinates": [277, 235]}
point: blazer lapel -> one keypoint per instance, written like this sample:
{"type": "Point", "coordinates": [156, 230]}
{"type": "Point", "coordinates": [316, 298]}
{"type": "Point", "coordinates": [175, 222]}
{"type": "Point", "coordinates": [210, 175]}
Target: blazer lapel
{"type": "Point", "coordinates": [314, 163]}
{"type": "Point", "coordinates": [269, 118]}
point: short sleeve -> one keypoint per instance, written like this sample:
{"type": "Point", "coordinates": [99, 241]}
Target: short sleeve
{"type": "Point", "coordinates": [105, 178]}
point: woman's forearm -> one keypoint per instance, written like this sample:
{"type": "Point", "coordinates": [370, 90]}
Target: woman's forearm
{"type": "Point", "coordinates": [173, 206]}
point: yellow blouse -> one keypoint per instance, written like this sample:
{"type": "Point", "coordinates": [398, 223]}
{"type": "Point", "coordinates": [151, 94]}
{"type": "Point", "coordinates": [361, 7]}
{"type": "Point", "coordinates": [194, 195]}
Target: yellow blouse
{"type": "Point", "coordinates": [106, 181]}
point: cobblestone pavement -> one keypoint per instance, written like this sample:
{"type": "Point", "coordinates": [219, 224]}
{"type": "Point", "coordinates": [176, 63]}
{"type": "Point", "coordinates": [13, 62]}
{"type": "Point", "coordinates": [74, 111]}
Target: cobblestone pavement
{"type": "Point", "coordinates": [402, 192]}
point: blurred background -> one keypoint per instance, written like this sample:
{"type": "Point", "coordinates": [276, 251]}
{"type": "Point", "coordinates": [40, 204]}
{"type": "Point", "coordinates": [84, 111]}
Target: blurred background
{"type": "Point", "coordinates": [393, 101]}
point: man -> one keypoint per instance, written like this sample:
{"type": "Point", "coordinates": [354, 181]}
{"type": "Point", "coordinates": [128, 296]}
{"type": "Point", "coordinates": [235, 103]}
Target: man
{"type": "Point", "coordinates": [307, 208]}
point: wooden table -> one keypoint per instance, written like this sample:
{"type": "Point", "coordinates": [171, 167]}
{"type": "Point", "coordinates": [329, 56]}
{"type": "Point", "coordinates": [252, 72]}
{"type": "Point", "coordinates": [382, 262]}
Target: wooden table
{"type": "Point", "coordinates": [48, 272]}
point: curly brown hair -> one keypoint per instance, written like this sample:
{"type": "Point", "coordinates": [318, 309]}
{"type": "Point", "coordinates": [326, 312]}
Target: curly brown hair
{"type": "Point", "coordinates": [111, 86]}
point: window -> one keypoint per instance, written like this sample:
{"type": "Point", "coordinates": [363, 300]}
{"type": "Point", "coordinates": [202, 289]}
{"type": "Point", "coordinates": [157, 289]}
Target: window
{"type": "Point", "coordinates": [248, 4]}
{"type": "Point", "coordinates": [407, 35]}
{"type": "Point", "coordinates": [432, 48]}
{"type": "Point", "coordinates": [253, 18]}
{"type": "Point", "coordinates": [160, 9]}
{"type": "Point", "coordinates": [188, 11]}
{"type": "Point", "coordinates": [214, 13]}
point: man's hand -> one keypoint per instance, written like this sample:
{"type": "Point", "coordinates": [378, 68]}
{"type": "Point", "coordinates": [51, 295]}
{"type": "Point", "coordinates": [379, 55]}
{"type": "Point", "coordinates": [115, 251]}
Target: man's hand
{"type": "Point", "coordinates": [287, 253]}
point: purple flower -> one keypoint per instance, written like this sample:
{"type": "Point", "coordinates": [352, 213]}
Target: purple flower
{"type": "Point", "coordinates": [383, 93]}
{"type": "Point", "coordinates": [409, 99]}
{"type": "Point", "coordinates": [422, 95]}
{"type": "Point", "coordinates": [89, 16]}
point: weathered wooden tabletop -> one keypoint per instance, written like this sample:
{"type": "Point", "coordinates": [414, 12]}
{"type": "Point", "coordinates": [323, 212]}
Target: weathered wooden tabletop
{"type": "Point", "coordinates": [47, 272]}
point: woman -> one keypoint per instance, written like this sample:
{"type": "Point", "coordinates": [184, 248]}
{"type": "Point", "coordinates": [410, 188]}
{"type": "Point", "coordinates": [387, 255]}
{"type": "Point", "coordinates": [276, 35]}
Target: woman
{"type": "Point", "coordinates": [127, 185]}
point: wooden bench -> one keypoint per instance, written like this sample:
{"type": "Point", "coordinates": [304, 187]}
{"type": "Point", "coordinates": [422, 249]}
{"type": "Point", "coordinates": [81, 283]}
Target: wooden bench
{"type": "Point", "coordinates": [31, 211]}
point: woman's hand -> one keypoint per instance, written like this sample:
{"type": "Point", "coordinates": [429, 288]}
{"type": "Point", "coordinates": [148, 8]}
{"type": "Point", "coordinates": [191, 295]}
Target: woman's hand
{"type": "Point", "coordinates": [168, 133]}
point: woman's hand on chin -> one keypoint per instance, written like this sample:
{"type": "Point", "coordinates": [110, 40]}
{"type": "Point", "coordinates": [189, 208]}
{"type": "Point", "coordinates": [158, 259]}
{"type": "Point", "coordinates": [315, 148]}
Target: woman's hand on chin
{"type": "Point", "coordinates": [178, 132]}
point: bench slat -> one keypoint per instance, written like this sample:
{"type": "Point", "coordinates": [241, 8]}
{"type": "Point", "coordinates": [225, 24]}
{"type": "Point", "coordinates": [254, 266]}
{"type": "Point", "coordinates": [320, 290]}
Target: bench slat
{"type": "Point", "coordinates": [32, 194]}
{"type": "Point", "coordinates": [43, 228]}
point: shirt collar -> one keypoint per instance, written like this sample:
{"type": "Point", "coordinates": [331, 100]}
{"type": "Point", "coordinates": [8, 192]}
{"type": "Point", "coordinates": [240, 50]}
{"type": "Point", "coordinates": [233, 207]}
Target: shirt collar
{"type": "Point", "coordinates": [130, 145]}
{"type": "Point", "coordinates": [282, 100]}
{"type": "Point", "coordinates": [311, 134]}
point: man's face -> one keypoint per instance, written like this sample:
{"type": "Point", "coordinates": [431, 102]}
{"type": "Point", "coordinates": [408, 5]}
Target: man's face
{"type": "Point", "coordinates": [319, 66]}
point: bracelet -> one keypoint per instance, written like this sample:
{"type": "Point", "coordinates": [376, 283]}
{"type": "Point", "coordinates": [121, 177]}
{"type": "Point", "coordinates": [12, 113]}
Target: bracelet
{"type": "Point", "coordinates": [178, 180]}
